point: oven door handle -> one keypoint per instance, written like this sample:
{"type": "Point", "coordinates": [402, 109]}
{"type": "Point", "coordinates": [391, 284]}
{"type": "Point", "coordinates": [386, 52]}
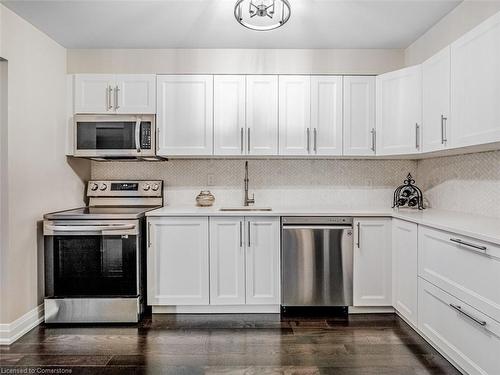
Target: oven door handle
{"type": "Point", "coordinates": [138, 134]}
{"type": "Point", "coordinates": [89, 228]}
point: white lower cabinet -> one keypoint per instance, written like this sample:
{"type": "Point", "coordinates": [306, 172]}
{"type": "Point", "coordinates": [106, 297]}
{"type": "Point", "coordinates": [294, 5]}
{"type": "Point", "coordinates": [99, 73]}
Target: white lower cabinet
{"type": "Point", "coordinates": [213, 261]}
{"type": "Point", "coordinates": [244, 261]}
{"type": "Point", "coordinates": [372, 280]}
{"type": "Point", "coordinates": [465, 267]}
{"type": "Point", "coordinates": [177, 261]}
{"type": "Point", "coordinates": [404, 269]}
{"type": "Point", "coordinates": [227, 261]}
{"type": "Point", "coordinates": [468, 337]}
{"type": "Point", "coordinates": [263, 260]}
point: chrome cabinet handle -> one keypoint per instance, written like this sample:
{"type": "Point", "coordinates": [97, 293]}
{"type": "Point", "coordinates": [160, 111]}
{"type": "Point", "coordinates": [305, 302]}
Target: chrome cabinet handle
{"type": "Point", "coordinates": [474, 246]}
{"type": "Point", "coordinates": [108, 97]}
{"type": "Point", "coordinates": [308, 140]}
{"type": "Point", "coordinates": [248, 234]}
{"type": "Point", "coordinates": [459, 309]}
{"type": "Point", "coordinates": [359, 234]}
{"type": "Point", "coordinates": [149, 234]}
{"type": "Point", "coordinates": [138, 134]}
{"type": "Point", "coordinates": [443, 129]}
{"type": "Point", "coordinates": [248, 140]}
{"type": "Point", "coordinates": [315, 131]}
{"type": "Point", "coordinates": [417, 136]}
{"type": "Point", "coordinates": [374, 139]}
{"type": "Point", "coordinates": [116, 97]}
{"type": "Point", "coordinates": [241, 234]}
{"type": "Point", "coordinates": [241, 139]}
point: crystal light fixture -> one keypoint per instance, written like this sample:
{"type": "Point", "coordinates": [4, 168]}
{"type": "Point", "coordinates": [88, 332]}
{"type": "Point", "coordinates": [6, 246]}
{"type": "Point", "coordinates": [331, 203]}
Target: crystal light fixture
{"type": "Point", "coordinates": [262, 15]}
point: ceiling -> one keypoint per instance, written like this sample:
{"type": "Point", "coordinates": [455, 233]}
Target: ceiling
{"type": "Point", "coordinates": [211, 24]}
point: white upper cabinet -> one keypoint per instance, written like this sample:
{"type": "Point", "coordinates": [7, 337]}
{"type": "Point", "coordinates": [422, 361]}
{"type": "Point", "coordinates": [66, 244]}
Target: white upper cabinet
{"type": "Point", "coordinates": [262, 260]}
{"type": "Point", "coordinates": [405, 269]}
{"type": "Point", "coordinates": [177, 264]}
{"type": "Point", "coordinates": [229, 115]}
{"type": "Point", "coordinates": [372, 263]}
{"type": "Point", "coordinates": [359, 115]}
{"type": "Point", "coordinates": [184, 114]}
{"type": "Point", "coordinates": [326, 115]}
{"type": "Point", "coordinates": [94, 93]}
{"type": "Point", "coordinates": [227, 261]}
{"type": "Point", "coordinates": [475, 85]}
{"type": "Point", "coordinates": [436, 101]}
{"type": "Point", "coordinates": [399, 112]}
{"type": "Point", "coordinates": [120, 93]}
{"type": "Point", "coordinates": [294, 115]}
{"type": "Point", "coordinates": [135, 93]}
{"type": "Point", "coordinates": [262, 115]}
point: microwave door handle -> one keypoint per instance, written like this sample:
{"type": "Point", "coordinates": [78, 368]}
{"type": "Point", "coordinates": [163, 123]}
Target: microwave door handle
{"type": "Point", "coordinates": [138, 134]}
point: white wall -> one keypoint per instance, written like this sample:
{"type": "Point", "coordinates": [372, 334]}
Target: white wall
{"type": "Point", "coordinates": [460, 20]}
{"type": "Point", "coordinates": [40, 179]}
{"type": "Point", "coordinates": [235, 61]}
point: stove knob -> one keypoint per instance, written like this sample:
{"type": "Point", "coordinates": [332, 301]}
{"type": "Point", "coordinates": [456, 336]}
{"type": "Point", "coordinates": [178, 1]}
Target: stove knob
{"type": "Point", "coordinates": [156, 187]}
{"type": "Point", "coordinates": [103, 187]}
{"type": "Point", "coordinates": [93, 187]}
{"type": "Point", "coordinates": [146, 187]}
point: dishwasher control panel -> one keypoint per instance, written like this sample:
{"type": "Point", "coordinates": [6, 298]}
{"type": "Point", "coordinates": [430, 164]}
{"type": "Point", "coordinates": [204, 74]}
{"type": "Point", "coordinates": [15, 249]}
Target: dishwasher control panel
{"type": "Point", "coordinates": [318, 220]}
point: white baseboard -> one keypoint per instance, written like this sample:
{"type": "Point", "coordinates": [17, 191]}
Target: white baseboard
{"type": "Point", "coordinates": [10, 332]}
{"type": "Point", "coordinates": [218, 309]}
{"type": "Point", "coordinates": [371, 310]}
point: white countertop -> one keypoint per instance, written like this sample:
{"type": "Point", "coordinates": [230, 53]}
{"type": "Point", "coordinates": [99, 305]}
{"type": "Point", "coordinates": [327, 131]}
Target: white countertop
{"type": "Point", "coordinates": [479, 227]}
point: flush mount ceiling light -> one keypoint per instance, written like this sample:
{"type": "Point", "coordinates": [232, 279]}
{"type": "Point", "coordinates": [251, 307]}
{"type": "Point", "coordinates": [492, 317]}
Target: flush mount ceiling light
{"type": "Point", "coordinates": [262, 15]}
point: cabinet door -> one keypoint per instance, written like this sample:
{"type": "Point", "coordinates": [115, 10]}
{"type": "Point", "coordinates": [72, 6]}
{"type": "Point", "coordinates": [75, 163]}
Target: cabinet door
{"type": "Point", "coordinates": [262, 115]}
{"type": "Point", "coordinates": [135, 93]}
{"type": "Point", "coordinates": [262, 261]}
{"type": "Point", "coordinates": [94, 93]}
{"type": "Point", "coordinates": [404, 269]}
{"type": "Point", "coordinates": [436, 101]}
{"type": "Point", "coordinates": [227, 261]}
{"type": "Point", "coordinates": [326, 115]}
{"type": "Point", "coordinates": [475, 85]}
{"type": "Point", "coordinates": [372, 279]}
{"type": "Point", "coordinates": [294, 115]}
{"type": "Point", "coordinates": [229, 115]}
{"type": "Point", "coordinates": [467, 336]}
{"type": "Point", "coordinates": [184, 115]}
{"type": "Point", "coordinates": [178, 261]}
{"type": "Point", "coordinates": [399, 111]}
{"type": "Point", "coordinates": [359, 115]}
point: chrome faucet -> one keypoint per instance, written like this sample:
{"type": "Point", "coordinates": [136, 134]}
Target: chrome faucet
{"type": "Point", "coordinates": [248, 201]}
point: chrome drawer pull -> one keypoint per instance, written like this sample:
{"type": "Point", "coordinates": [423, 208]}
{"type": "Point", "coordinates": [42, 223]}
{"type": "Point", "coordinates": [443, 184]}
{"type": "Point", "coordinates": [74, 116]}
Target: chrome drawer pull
{"type": "Point", "coordinates": [459, 309]}
{"type": "Point", "coordinates": [460, 242]}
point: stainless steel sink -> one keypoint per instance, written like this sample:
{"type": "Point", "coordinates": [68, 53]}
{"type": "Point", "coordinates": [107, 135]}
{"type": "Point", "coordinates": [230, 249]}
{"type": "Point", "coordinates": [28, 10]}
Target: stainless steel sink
{"type": "Point", "coordinates": [245, 209]}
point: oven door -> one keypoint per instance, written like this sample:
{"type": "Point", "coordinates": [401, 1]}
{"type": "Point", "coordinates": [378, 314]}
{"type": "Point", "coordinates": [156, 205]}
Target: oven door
{"type": "Point", "coordinates": [89, 258]}
{"type": "Point", "coordinates": [114, 135]}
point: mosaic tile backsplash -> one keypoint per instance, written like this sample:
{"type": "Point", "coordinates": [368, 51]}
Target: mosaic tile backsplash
{"type": "Point", "coordinates": [464, 183]}
{"type": "Point", "coordinates": [277, 183]}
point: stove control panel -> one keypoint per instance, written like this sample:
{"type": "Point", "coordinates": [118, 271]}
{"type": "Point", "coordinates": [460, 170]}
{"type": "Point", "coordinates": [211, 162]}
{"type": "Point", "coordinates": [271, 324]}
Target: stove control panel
{"type": "Point", "coordinates": [147, 188]}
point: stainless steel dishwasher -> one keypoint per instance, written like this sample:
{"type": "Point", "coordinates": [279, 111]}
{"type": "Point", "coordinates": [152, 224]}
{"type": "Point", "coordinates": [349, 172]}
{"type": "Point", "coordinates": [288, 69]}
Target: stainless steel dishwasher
{"type": "Point", "coordinates": [316, 261]}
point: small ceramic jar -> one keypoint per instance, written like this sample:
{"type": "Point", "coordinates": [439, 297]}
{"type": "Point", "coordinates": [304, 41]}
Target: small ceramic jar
{"type": "Point", "coordinates": [205, 198]}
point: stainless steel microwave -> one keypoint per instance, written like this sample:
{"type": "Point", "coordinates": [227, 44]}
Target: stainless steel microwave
{"type": "Point", "coordinates": [114, 136]}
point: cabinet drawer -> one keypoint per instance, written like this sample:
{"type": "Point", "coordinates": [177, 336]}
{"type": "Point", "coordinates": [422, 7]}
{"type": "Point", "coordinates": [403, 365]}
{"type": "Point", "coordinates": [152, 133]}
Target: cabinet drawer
{"type": "Point", "coordinates": [469, 273]}
{"type": "Point", "coordinates": [467, 336]}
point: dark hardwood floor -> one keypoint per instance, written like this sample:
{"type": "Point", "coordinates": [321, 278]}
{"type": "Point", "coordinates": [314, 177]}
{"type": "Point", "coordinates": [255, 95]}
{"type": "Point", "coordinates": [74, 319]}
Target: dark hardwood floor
{"type": "Point", "coordinates": [229, 344]}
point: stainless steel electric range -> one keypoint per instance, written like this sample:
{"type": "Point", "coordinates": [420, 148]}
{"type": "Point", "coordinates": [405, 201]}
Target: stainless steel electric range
{"type": "Point", "coordinates": [95, 256]}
